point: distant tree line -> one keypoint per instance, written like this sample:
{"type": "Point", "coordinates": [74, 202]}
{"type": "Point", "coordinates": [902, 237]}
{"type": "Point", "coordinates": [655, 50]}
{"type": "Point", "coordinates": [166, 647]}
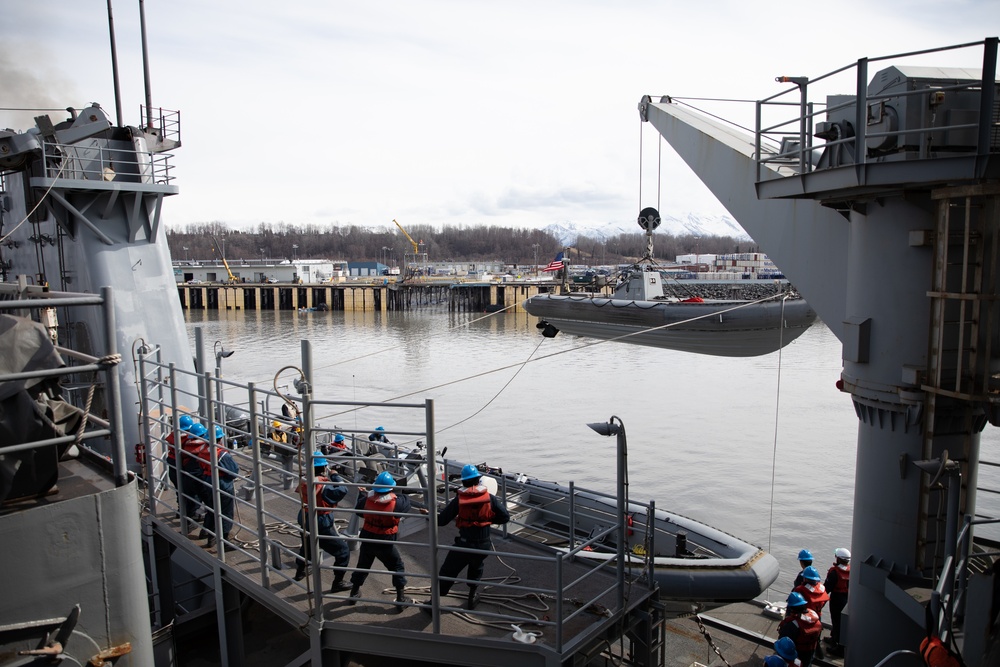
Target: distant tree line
{"type": "Point", "coordinates": [351, 243]}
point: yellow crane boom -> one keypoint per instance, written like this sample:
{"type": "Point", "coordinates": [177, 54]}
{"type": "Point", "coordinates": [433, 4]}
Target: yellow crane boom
{"type": "Point", "coordinates": [416, 248]}
{"type": "Point", "coordinates": [232, 278]}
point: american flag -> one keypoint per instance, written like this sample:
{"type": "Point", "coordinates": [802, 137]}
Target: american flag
{"type": "Point", "coordinates": [555, 264]}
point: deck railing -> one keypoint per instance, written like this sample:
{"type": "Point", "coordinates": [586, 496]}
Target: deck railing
{"type": "Point", "coordinates": [31, 302]}
{"type": "Point", "coordinates": [266, 500]}
{"type": "Point", "coordinates": [798, 151]}
{"type": "Point", "coordinates": [100, 161]}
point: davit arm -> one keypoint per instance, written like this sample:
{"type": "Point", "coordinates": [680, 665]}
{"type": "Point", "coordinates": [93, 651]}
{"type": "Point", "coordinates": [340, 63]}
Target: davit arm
{"type": "Point", "coordinates": [808, 241]}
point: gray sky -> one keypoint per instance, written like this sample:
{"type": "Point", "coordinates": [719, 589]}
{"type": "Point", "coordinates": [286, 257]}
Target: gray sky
{"type": "Point", "coordinates": [441, 112]}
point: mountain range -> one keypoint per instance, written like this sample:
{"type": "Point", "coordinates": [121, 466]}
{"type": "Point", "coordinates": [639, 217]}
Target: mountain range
{"type": "Point", "coordinates": [692, 224]}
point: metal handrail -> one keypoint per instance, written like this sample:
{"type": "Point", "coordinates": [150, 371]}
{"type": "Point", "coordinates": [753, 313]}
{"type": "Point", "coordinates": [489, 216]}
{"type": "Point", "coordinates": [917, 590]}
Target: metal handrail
{"type": "Point", "coordinates": [106, 163]}
{"type": "Point", "coordinates": [985, 85]}
{"type": "Point", "coordinates": [161, 398]}
{"type": "Point", "coordinates": [112, 427]}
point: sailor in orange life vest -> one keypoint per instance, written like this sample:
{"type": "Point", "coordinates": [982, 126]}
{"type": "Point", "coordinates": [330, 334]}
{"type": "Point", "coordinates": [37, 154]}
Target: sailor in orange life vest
{"type": "Point", "coordinates": [187, 487]}
{"type": "Point", "coordinates": [328, 490]}
{"type": "Point", "coordinates": [383, 529]}
{"type": "Point", "coordinates": [814, 592]}
{"type": "Point", "coordinates": [474, 510]}
{"type": "Point", "coordinates": [228, 470]}
{"type": "Point", "coordinates": [837, 580]}
{"type": "Point", "coordinates": [801, 625]}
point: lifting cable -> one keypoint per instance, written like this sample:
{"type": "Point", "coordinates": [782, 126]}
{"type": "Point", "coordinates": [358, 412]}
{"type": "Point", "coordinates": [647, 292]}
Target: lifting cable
{"type": "Point", "coordinates": [777, 405]}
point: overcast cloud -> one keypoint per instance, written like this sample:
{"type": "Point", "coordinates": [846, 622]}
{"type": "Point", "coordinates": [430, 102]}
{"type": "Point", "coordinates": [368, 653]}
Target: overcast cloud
{"type": "Point", "coordinates": [441, 112]}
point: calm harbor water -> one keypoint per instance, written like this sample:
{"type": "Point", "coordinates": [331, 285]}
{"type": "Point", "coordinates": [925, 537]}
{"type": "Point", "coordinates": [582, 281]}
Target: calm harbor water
{"type": "Point", "coordinates": [761, 447]}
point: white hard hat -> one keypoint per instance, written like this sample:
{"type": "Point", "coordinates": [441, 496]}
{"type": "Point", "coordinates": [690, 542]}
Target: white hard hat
{"type": "Point", "coordinates": [842, 553]}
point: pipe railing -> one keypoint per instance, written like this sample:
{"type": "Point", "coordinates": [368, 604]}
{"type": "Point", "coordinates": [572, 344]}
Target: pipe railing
{"type": "Point", "coordinates": [111, 428]}
{"type": "Point", "coordinates": [861, 102]}
{"type": "Point", "coordinates": [271, 511]}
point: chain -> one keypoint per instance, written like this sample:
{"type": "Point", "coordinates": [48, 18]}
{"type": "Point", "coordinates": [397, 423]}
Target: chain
{"type": "Point", "coordinates": [708, 638]}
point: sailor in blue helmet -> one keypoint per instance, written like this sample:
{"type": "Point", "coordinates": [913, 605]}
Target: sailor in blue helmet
{"type": "Point", "coordinates": [785, 648]}
{"type": "Point", "coordinates": [813, 591]}
{"type": "Point", "coordinates": [474, 509]}
{"type": "Point", "coordinates": [328, 490]}
{"type": "Point", "coordinates": [378, 435]}
{"type": "Point", "coordinates": [228, 471]}
{"type": "Point", "coordinates": [805, 560]}
{"type": "Point", "coordinates": [191, 492]}
{"type": "Point", "coordinates": [382, 510]}
{"type": "Point", "coordinates": [775, 661]}
{"type": "Point", "coordinates": [801, 624]}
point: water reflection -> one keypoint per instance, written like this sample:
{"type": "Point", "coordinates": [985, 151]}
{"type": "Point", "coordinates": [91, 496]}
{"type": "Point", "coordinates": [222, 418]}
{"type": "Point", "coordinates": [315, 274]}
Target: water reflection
{"type": "Point", "coordinates": [708, 436]}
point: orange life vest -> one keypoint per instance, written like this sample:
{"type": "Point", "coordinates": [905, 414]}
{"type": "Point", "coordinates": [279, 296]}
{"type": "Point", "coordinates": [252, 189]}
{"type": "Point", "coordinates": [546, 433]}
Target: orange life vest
{"type": "Point", "coordinates": [378, 523]}
{"type": "Point", "coordinates": [317, 491]}
{"type": "Point", "coordinates": [171, 455]}
{"type": "Point", "coordinates": [842, 578]}
{"type": "Point", "coordinates": [809, 629]}
{"type": "Point", "coordinates": [816, 598]}
{"type": "Point", "coordinates": [936, 654]}
{"type": "Point", "coordinates": [474, 508]}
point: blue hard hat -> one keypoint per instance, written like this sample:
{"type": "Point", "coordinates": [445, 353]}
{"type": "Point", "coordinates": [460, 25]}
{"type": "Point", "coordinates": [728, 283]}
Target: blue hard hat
{"type": "Point", "coordinates": [219, 433]}
{"type": "Point", "coordinates": [811, 573]}
{"type": "Point", "coordinates": [338, 438]}
{"type": "Point", "coordinates": [774, 661]}
{"type": "Point", "coordinates": [185, 422]}
{"type": "Point", "coordinates": [198, 429]}
{"type": "Point", "coordinates": [785, 647]}
{"type": "Point", "coordinates": [319, 461]}
{"type": "Point", "coordinates": [384, 483]}
{"type": "Point", "coordinates": [379, 428]}
{"type": "Point", "coordinates": [796, 600]}
{"type": "Point", "coordinates": [805, 554]}
{"type": "Point", "coordinates": [470, 471]}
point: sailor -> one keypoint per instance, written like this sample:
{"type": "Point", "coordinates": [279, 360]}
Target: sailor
{"type": "Point", "coordinates": [381, 528]}
{"type": "Point", "coordinates": [836, 584]}
{"type": "Point", "coordinates": [337, 446]}
{"type": "Point", "coordinates": [785, 650]}
{"type": "Point", "coordinates": [474, 510]}
{"type": "Point", "coordinates": [278, 432]}
{"type": "Point", "coordinates": [228, 471]}
{"type": "Point", "coordinates": [801, 625]}
{"type": "Point", "coordinates": [328, 490]}
{"type": "Point", "coordinates": [805, 560]}
{"type": "Point", "coordinates": [813, 591]}
{"type": "Point", "coordinates": [188, 483]}
{"type": "Point", "coordinates": [379, 435]}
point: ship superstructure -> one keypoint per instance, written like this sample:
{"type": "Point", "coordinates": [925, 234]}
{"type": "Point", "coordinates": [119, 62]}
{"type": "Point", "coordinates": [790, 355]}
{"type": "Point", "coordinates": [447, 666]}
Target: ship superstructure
{"type": "Point", "coordinates": [882, 206]}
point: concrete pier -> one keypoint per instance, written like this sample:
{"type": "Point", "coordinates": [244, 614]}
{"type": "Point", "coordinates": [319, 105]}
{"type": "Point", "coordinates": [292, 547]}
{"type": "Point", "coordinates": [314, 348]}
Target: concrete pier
{"type": "Point", "coordinates": [458, 297]}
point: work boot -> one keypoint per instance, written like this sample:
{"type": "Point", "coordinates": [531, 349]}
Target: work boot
{"type": "Point", "coordinates": [473, 598]}
{"type": "Point", "coordinates": [340, 585]}
{"type": "Point", "coordinates": [401, 600]}
{"type": "Point", "coordinates": [355, 594]}
{"type": "Point", "coordinates": [210, 542]}
{"type": "Point", "coordinates": [300, 572]}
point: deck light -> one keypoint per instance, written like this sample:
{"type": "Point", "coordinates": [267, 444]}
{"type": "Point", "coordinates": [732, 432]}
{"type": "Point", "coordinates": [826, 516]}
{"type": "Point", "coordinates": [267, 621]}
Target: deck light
{"type": "Point", "coordinates": [614, 426]}
{"type": "Point", "coordinates": [220, 354]}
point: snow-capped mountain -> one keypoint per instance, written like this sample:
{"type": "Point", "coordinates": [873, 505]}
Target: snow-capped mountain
{"type": "Point", "coordinates": [694, 224]}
